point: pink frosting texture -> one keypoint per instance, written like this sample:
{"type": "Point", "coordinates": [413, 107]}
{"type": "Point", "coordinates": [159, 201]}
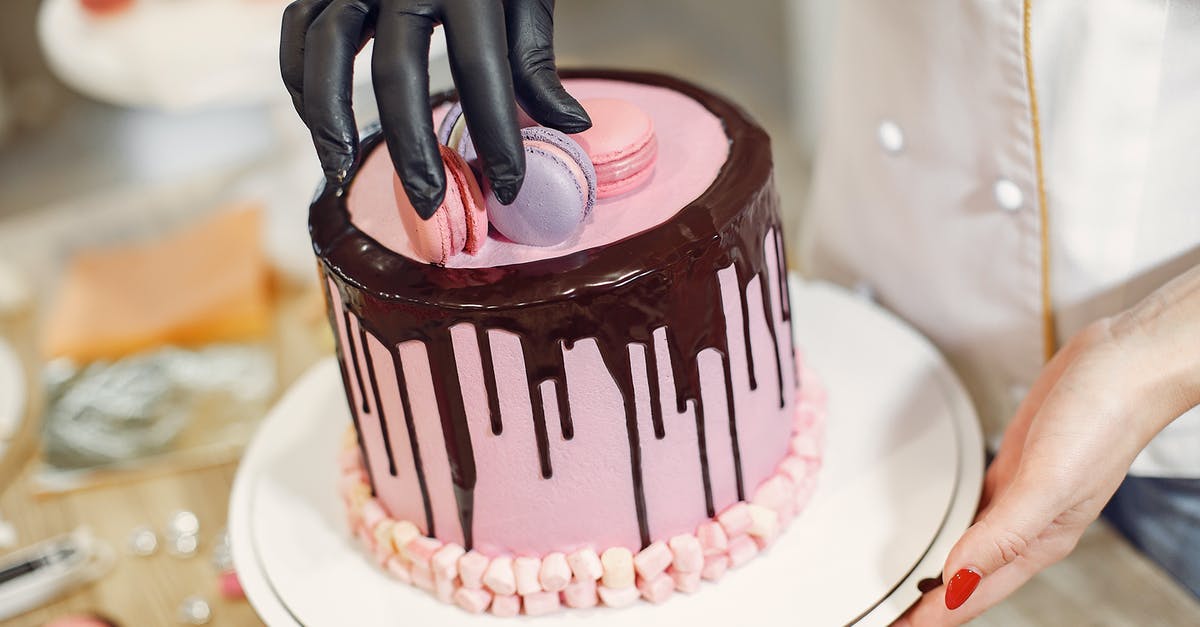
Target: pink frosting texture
{"type": "Point", "coordinates": [692, 147]}
{"type": "Point", "coordinates": [537, 584]}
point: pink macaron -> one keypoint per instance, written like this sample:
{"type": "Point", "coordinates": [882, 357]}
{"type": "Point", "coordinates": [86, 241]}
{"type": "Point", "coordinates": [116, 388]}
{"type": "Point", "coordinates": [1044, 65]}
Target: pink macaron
{"type": "Point", "coordinates": [621, 145]}
{"type": "Point", "coordinates": [460, 223]}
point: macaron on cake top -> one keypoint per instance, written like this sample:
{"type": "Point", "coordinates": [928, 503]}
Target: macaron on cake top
{"type": "Point", "coordinates": [557, 196]}
{"type": "Point", "coordinates": [621, 144]}
{"type": "Point", "coordinates": [654, 150]}
{"type": "Point", "coordinates": [460, 224]}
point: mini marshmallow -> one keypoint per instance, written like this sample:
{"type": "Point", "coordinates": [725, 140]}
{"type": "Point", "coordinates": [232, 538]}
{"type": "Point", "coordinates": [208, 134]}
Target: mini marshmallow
{"type": "Point", "coordinates": [714, 567]}
{"type": "Point", "coordinates": [372, 513]}
{"type": "Point", "coordinates": [712, 537]}
{"type": "Point", "coordinates": [526, 570]}
{"type": "Point", "coordinates": [775, 493]}
{"type": "Point", "coordinates": [762, 542]}
{"type": "Point", "coordinates": [383, 538]}
{"type": "Point", "coordinates": [499, 577]}
{"type": "Point", "coordinates": [422, 577]}
{"type": "Point", "coordinates": [806, 414]}
{"type": "Point", "coordinates": [795, 468]}
{"type": "Point", "coordinates": [404, 532]}
{"type": "Point", "coordinates": [420, 549]}
{"type": "Point", "coordinates": [735, 520]}
{"type": "Point", "coordinates": [741, 550]}
{"type": "Point", "coordinates": [686, 582]}
{"type": "Point", "coordinates": [688, 554]}
{"type": "Point", "coordinates": [506, 605]}
{"type": "Point", "coordinates": [585, 563]}
{"type": "Point", "coordinates": [618, 567]}
{"type": "Point", "coordinates": [443, 589]}
{"type": "Point", "coordinates": [618, 597]}
{"type": "Point", "coordinates": [581, 594]}
{"type": "Point", "coordinates": [805, 447]}
{"type": "Point", "coordinates": [367, 538]}
{"type": "Point", "coordinates": [471, 567]}
{"type": "Point", "coordinates": [445, 561]}
{"type": "Point", "coordinates": [555, 573]}
{"type": "Point", "coordinates": [658, 589]}
{"type": "Point", "coordinates": [541, 603]}
{"type": "Point", "coordinates": [473, 601]}
{"type": "Point", "coordinates": [398, 569]}
{"type": "Point", "coordinates": [653, 560]}
{"type": "Point", "coordinates": [764, 521]}
{"type": "Point", "coordinates": [805, 491]}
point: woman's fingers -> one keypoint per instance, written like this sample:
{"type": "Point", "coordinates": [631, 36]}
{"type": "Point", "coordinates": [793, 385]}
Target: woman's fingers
{"type": "Point", "coordinates": [931, 609]}
{"type": "Point", "coordinates": [297, 18]}
{"type": "Point", "coordinates": [530, 26]}
{"type": "Point", "coordinates": [333, 40]}
{"type": "Point", "coordinates": [400, 71]}
{"type": "Point", "coordinates": [476, 40]}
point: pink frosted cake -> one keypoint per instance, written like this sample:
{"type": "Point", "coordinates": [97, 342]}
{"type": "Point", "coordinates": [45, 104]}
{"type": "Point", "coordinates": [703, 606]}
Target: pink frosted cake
{"type": "Point", "coordinates": [612, 418]}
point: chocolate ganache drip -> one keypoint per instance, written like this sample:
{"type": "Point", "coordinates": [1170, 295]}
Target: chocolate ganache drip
{"type": "Point", "coordinates": [618, 295]}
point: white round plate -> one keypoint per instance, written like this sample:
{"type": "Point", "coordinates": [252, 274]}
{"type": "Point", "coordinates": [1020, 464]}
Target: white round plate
{"type": "Point", "coordinates": [900, 482]}
{"type": "Point", "coordinates": [12, 394]}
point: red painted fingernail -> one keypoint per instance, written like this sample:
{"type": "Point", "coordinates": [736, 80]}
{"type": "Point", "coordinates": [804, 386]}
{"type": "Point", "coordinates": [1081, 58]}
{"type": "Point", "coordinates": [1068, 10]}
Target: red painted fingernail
{"type": "Point", "coordinates": [961, 585]}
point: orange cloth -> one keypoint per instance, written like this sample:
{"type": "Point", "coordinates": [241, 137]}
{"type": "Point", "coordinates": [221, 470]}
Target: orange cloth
{"type": "Point", "coordinates": [207, 283]}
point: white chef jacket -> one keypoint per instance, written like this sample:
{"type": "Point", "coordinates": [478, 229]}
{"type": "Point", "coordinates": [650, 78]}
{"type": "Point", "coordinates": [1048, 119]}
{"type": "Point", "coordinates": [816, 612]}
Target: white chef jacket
{"type": "Point", "coordinates": [1001, 173]}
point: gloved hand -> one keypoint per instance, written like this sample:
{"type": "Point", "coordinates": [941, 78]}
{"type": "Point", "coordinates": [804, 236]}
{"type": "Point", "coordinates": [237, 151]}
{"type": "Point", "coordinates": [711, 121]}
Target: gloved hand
{"type": "Point", "coordinates": [495, 48]}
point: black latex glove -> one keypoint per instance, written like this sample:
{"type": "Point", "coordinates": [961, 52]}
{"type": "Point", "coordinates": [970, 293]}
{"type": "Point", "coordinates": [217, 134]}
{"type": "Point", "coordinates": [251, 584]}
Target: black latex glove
{"type": "Point", "coordinates": [495, 48]}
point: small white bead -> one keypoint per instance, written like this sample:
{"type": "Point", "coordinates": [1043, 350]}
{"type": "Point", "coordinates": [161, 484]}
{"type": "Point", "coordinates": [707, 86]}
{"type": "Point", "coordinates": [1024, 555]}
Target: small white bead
{"type": "Point", "coordinates": [891, 138]}
{"type": "Point", "coordinates": [1008, 195]}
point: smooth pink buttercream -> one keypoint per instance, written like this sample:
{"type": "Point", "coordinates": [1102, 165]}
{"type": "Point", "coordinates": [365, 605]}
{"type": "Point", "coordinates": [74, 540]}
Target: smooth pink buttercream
{"type": "Point", "coordinates": [691, 148]}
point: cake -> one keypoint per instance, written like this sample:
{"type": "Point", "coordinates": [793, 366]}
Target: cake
{"type": "Point", "coordinates": [612, 418]}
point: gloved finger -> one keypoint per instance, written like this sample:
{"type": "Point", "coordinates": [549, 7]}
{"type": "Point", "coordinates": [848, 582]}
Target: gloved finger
{"type": "Point", "coordinates": [330, 47]}
{"type": "Point", "coordinates": [530, 25]}
{"type": "Point", "coordinates": [478, 49]}
{"type": "Point", "coordinates": [400, 71]}
{"type": "Point", "coordinates": [297, 18]}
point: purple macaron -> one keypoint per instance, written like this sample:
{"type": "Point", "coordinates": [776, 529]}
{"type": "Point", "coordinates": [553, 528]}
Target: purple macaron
{"type": "Point", "coordinates": [557, 196]}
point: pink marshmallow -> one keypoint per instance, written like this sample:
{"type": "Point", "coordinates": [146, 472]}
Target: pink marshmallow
{"type": "Point", "coordinates": [712, 537]}
{"type": "Point", "coordinates": [421, 549]}
{"type": "Point", "coordinates": [735, 520]}
{"type": "Point", "coordinates": [471, 567]}
{"type": "Point", "coordinates": [618, 597]}
{"type": "Point", "coordinates": [795, 468]}
{"type": "Point", "coordinates": [366, 538]}
{"type": "Point", "coordinates": [741, 550]}
{"type": "Point", "coordinates": [473, 601]}
{"type": "Point", "coordinates": [526, 570]}
{"type": "Point", "coordinates": [499, 577]}
{"type": "Point", "coordinates": [686, 582]}
{"type": "Point", "coordinates": [658, 589]}
{"type": "Point", "coordinates": [541, 603]}
{"type": "Point", "coordinates": [506, 605]}
{"type": "Point", "coordinates": [555, 573]}
{"type": "Point", "coordinates": [422, 577]}
{"type": "Point", "coordinates": [445, 561]}
{"type": "Point", "coordinates": [766, 540]}
{"type": "Point", "coordinates": [651, 561]}
{"type": "Point", "coordinates": [444, 589]}
{"type": "Point", "coordinates": [688, 554]}
{"type": "Point", "coordinates": [775, 493]}
{"type": "Point", "coordinates": [805, 447]}
{"type": "Point", "coordinates": [714, 567]}
{"type": "Point", "coordinates": [348, 460]}
{"type": "Point", "coordinates": [581, 594]}
{"type": "Point", "coordinates": [398, 569]}
{"type": "Point", "coordinates": [804, 493]}
{"type": "Point", "coordinates": [585, 563]}
{"type": "Point", "coordinates": [372, 513]}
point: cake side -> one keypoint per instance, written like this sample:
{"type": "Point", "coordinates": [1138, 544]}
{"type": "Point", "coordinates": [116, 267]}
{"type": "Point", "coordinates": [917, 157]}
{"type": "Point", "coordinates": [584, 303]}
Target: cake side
{"type": "Point", "coordinates": [614, 397]}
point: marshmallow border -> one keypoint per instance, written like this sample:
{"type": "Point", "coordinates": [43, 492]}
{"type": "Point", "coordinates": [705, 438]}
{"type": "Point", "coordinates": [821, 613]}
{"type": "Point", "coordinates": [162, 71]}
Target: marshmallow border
{"type": "Point", "coordinates": [751, 526]}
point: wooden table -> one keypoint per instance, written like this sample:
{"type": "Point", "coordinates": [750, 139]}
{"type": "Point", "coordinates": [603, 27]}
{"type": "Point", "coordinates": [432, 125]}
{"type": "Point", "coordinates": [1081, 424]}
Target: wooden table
{"type": "Point", "coordinates": [1104, 582]}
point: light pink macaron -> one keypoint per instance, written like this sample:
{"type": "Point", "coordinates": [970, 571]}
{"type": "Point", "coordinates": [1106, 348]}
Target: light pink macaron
{"type": "Point", "coordinates": [621, 144]}
{"type": "Point", "coordinates": [460, 223]}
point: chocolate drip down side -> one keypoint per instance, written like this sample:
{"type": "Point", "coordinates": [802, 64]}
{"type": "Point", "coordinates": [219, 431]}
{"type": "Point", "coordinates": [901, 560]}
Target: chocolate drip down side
{"type": "Point", "coordinates": [617, 295]}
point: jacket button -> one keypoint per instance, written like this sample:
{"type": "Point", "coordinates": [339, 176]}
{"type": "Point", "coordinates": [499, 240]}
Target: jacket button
{"type": "Point", "coordinates": [1008, 195]}
{"type": "Point", "coordinates": [891, 138]}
